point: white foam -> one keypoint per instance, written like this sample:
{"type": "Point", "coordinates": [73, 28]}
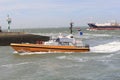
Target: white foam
{"type": "Point", "coordinates": [107, 48]}
{"type": "Point", "coordinates": [61, 57]}
{"type": "Point", "coordinates": [31, 53]}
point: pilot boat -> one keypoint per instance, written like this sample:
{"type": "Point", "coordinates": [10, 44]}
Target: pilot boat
{"type": "Point", "coordinates": [60, 44]}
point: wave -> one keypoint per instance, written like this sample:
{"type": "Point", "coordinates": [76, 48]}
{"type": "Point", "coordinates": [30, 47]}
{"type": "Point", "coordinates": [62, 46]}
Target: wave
{"type": "Point", "coordinates": [72, 58]}
{"type": "Point", "coordinates": [106, 48]}
{"type": "Point", "coordinates": [98, 35]}
{"type": "Point", "coordinates": [105, 58]}
{"type": "Point", "coordinates": [18, 64]}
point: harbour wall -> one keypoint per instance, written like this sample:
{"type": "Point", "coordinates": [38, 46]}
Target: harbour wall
{"type": "Point", "coordinates": [6, 38]}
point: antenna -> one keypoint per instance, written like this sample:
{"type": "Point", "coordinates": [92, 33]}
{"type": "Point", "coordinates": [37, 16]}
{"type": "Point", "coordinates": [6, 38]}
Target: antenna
{"type": "Point", "coordinates": [9, 22]}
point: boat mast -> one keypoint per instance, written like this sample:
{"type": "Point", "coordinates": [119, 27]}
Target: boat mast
{"type": "Point", "coordinates": [9, 22]}
{"type": "Point", "coordinates": [71, 25]}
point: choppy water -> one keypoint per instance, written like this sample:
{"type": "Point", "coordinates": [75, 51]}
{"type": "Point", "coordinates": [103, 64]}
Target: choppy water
{"type": "Point", "coordinates": [101, 63]}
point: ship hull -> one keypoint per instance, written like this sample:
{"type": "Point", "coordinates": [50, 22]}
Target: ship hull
{"type": "Point", "coordinates": [104, 28]}
{"type": "Point", "coordinates": [47, 48]}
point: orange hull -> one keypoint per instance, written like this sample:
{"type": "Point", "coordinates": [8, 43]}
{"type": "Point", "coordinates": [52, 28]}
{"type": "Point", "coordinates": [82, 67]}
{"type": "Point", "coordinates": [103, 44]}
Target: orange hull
{"type": "Point", "coordinates": [47, 48]}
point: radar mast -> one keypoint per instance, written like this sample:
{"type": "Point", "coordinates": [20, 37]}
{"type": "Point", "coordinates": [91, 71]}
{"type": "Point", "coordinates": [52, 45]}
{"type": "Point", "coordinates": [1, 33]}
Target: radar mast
{"type": "Point", "coordinates": [71, 26]}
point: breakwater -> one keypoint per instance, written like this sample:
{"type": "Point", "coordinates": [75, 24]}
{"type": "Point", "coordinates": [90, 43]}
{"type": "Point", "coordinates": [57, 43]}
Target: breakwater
{"type": "Point", "coordinates": [19, 37]}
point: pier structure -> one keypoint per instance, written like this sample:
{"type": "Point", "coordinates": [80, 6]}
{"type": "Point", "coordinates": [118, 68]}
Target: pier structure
{"type": "Point", "coordinates": [6, 38]}
{"type": "Point", "coordinates": [9, 20]}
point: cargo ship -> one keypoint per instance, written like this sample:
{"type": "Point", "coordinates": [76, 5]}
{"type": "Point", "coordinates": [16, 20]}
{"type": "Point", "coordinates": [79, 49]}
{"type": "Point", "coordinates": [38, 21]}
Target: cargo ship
{"type": "Point", "coordinates": [104, 26]}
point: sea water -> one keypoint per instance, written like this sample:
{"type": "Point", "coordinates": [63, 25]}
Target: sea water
{"type": "Point", "coordinates": [101, 63]}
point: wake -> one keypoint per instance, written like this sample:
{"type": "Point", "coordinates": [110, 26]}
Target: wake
{"type": "Point", "coordinates": [107, 48]}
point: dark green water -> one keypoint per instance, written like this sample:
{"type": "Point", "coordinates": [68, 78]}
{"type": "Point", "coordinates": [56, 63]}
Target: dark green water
{"type": "Point", "coordinates": [101, 63]}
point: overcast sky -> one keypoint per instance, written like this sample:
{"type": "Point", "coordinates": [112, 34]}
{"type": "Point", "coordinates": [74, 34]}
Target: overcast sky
{"type": "Point", "coordinates": [57, 13]}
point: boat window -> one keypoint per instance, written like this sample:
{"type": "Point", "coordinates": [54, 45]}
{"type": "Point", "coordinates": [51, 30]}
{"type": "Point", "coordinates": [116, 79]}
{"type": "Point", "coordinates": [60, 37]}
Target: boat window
{"type": "Point", "coordinates": [64, 43]}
